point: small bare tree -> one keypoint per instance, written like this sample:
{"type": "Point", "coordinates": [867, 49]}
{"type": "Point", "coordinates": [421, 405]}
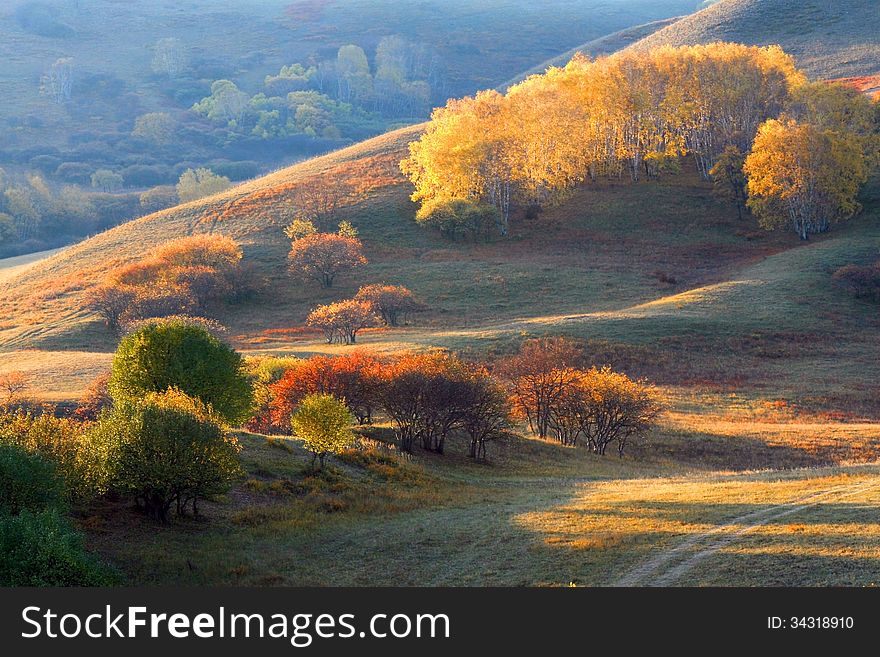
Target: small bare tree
{"type": "Point", "coordinates": [57, 83]}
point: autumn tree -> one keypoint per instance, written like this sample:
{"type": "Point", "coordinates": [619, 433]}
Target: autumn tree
{"type": "Point", "coordinates": [324, 424]}
{"type": "Point", "coordinates": [353, 378]}
{"type": "Point", "coordinates": [95, 400]}
{"type": "Point", "coordinates": [265, 372]}
{"type": "Point", "coordinates": [728, 178]}
{"type": "Point", "coordinates": [616, 408]}
{"type": "Point", "coordinates": [198, 183]}
{"type": "Point", "coordinates": [178, 277]}
{"type": "Point", "coordinates": [804, 176]}
{"type": "Point", "coordinates": [487, 412]}
{"type": "Point", "coordinates": [111, 302]}
{"type": "Point", "coordinates": [13, 385]}
{"type": "Point", "coordinates": [324, 256]}
{"type": "Point", "coordinates": [393, 303]}
{"type": "Point", "coordinates": [840, 108]}
{"type": "Point", "coordinates": [537, 377]}
{"type": "Point", "coordinates": [318, 200]}
{"type": "Point", "coordinates": [300, 228]}
{"type": "Point", "coordinates": [618, 115]}
{"type": "Point", "coordinates": [341, 321]}
{"type": "Point", "coordinates": [419, 393]}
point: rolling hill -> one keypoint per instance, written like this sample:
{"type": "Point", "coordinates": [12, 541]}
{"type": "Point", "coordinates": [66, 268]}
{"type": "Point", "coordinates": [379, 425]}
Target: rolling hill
{"type": "Point", "coordinates": [662, 277]}
{"type": "Point", "coordinates": [828, 39]}
{"type": "Point", "coordinates": [597, 47]}
{"type": "Point", "coordinates": [763, 470]}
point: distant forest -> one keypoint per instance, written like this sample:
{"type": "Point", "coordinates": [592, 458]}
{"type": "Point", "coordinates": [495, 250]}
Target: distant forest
{"type": "Point", "coordinates": [119, 108]}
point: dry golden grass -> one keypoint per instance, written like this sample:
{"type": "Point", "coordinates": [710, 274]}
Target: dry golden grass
{"type": "Point", "coordinates": [56, 375]}
{"type": "Point", "coordinates": [692, 530]}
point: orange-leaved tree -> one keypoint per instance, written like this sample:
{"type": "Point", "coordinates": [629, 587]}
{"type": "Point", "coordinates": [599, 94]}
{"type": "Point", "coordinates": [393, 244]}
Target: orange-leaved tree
{"type": "Point", "coordinates": [393, 303]}
{"type": "Point", "coordinates": [324, 256]}
{"type": "Point", "coordinates": [341, 321]}
{"type": "Point", "coordinates": [352, 377]}
{"type": "Point", "coordinates": [537, 377]}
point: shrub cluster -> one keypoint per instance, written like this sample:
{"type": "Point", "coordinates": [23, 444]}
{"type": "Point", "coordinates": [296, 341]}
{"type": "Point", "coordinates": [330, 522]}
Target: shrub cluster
{"type": "Point", "coordinates": [167, 449]}
{"type": "Point", "coordinates": [557, 399]}
{"type": "Point", "coordinates": [863, 282]}
{"type": "Point", "coordinates": [427, 397]}
{"type": "Point", "coordinates": [181, 277]}
{"type": "Point", "coordinates": [373, 305]}
{"type": "Point", "coordinates": [39, 547]}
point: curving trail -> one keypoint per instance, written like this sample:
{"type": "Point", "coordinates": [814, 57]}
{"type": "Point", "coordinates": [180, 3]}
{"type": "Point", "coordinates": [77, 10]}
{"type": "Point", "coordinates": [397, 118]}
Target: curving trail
{"type": "Point", "coordinates": [668, 567]}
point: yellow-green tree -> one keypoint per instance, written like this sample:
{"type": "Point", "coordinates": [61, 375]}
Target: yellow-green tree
{"type": "Point", "coordinates": [324, 424]}
{"type": "Point", "coordinates": [804, 176]}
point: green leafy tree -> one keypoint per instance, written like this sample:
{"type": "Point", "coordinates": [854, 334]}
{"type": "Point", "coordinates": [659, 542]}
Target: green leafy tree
{"type": "Point", "coordinates": [106, 180]}
{"type": "Point", "coordinates": [8, 231]}
{"type": "Point", "coordinates": [455, 216]}
{"type": "Point", "coordinates": [324, 424]}
{"type": "Point", "coordinates": [168, 449]}
{"type": "Point", "coordinates": [28, 481]}
{"type": "Point", "coordinates": [227, 104]}
{"type": "Point", "coordinates": [169, 57]}
{"type": "Point", "coordinates": [184, 355]}
{"type": "Point", "coordinates": [42, 549]}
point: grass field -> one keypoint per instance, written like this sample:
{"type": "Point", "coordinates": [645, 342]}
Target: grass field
{"type": "Point", "coordinates": [762, 471]}
{"type": "Point", "coordinates": [539, 514]}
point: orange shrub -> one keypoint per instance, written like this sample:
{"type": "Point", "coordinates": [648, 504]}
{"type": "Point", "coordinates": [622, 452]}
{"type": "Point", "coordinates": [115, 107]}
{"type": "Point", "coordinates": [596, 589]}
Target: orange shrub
{"type": "Point", "coordinates": [353, 378]}
{"type": "Point", "coordinates": [324, 256]}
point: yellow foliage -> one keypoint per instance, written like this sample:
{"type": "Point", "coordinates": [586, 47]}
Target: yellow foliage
{"type": "Point", "coordinates": [324, 424]}
{"type": "Point", "coordinates": [623, 113]}
{"type": "Point", "coordinates": [804, 174]}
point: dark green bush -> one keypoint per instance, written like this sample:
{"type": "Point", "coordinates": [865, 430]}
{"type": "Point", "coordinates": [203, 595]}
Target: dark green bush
{"type": "Point", "coordinates": [167, 449]}
{"type": "Point", "coordinates": [28, 482]}
{"type": "Point", "coordinates": [42, 549]}
{"type": "Point", "coordinates": [184, 355]}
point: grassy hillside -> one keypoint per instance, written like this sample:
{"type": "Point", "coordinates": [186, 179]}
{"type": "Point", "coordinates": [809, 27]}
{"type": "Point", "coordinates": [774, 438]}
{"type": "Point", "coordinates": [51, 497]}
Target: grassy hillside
{"type": "Point", "coordinates": [538, 514]}
{"type": "Point", "coordinates": [662, 277]}
{"type": "Point", "coordinates": [597, 47]}
{"type": "Point", "coordinates": [762, 471]}
{"type": "Point", "coordinates": [828, 39]}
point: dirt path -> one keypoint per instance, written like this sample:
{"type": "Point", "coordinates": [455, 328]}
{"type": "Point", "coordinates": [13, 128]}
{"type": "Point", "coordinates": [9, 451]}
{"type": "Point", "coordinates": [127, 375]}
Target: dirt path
{"type": "Point", "coordinates": [668, 567]}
